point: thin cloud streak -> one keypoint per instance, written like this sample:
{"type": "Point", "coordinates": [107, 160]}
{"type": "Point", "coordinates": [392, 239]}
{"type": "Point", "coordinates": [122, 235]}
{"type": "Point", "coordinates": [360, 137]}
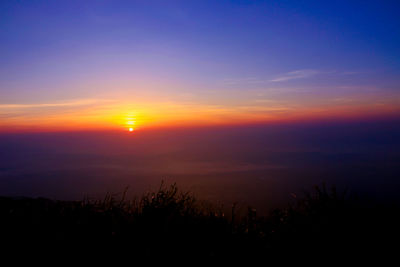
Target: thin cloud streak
{"type": "Point", "coordinates": [249, 80]}
{"type": "Point", "coordinates": [81, 102]}
{"type": "Point", "coordinates": [298, 74]}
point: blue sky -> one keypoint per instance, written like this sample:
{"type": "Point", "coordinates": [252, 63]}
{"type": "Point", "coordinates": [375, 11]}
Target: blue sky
{"type": "Point", "coordinates": [228, 54]}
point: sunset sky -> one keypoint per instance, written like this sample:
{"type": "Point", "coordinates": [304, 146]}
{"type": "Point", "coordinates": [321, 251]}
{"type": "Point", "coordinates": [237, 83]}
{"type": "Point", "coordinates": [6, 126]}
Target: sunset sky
{"type": "Point", "coordinates": [73, 65]}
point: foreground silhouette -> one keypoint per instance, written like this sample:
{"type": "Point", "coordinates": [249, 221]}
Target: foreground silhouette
{"type": "Point", "coordinates": [172, 223]}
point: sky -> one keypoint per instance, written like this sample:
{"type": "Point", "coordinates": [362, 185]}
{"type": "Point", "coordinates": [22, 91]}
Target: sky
{"type": "Point", "coordinates": [73, 65]}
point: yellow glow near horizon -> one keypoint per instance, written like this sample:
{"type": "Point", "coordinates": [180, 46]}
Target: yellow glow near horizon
{"type": "Point", "coordinates": [123, 115]}
{"type": "Point", "coordinates": [130, 121]}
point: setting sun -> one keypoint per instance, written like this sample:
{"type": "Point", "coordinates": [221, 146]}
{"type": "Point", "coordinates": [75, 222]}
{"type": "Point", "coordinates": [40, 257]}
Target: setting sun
{"type": "Point", "coordinates": [131, 129]}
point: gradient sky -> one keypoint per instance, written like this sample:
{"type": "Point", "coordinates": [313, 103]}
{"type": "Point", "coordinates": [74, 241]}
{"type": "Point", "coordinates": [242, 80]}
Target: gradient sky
{"type": "Point", "coordinates": [105, 64]}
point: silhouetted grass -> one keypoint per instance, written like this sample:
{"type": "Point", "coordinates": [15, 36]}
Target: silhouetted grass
{"type": "Point", "coordinates": [170, 223]}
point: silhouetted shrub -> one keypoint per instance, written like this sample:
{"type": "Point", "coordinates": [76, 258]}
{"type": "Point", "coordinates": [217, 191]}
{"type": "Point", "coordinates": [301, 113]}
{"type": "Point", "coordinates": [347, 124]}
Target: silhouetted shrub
{"type": "Point", "coordinates": [171, 223]}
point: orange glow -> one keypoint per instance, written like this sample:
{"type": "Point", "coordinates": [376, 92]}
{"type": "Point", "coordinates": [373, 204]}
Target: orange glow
{"type": "Point", "coordinates": [119, 115]}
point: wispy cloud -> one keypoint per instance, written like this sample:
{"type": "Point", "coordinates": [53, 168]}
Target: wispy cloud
{"type": "Point", "coordinates": [248, 80]}
{"type": "Point", "coordinates": [297, 74]}
{"type": "Point", "coordinates": [81, 102]}
{"type": "Point", "coordinates": [292, 75]}
{"type": "Point", "coordinates": [352, 72]}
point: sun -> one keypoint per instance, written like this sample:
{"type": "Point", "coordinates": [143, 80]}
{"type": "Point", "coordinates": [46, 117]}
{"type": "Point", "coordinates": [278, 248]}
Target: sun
{"type": "Point", "coordinates": [130, 122]}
